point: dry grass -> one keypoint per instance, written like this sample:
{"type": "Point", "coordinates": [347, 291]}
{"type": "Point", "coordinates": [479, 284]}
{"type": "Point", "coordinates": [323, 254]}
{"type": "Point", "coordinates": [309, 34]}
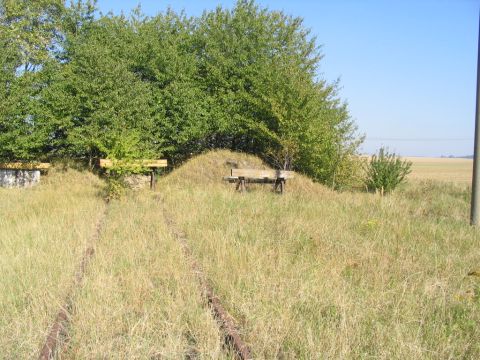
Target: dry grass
{"type": "Point", "coordinates": [140, 300]}
{"type": "Point", "coordinates": [43, 231]}
{"type": "Point", "coordinates": [311, 274]}
{"type": "Point", "coordinates": [319, 274]}
{"type": "Point", "coordinates": [450, 170]}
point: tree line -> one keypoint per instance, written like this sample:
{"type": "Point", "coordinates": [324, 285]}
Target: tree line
{"type": "Point", "coordinates": [76, 83]}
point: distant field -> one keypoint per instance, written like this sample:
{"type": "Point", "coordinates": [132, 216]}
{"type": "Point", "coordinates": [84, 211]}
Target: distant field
{"type": "Point", "coordinates": [456, 170]}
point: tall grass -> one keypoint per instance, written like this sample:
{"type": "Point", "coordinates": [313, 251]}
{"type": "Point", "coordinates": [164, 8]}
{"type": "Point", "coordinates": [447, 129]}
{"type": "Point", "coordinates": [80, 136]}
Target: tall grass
{"type": "Point", "coordinates": [43, 232]}
{"type": "Point", "coordinates": [140, 300]}
{"type": "Point", "coordinates": [310, 274]}
{"type": "Point", "coordinates": [319, 274]}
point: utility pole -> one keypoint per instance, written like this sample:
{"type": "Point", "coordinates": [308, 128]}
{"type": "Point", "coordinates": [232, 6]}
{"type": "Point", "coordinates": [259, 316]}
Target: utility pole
{"type": "Point", "coordinates": [476, 152]}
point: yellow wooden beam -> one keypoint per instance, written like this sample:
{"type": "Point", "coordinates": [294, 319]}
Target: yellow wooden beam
{"type": "Point", "coordinates": [107, 163]}
{"type": "Point", "coordinates": [25, 166]}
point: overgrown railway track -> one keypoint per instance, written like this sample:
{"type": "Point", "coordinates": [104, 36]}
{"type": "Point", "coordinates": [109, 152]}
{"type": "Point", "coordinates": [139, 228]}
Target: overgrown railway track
{"type": "Point", "coordinates": [58, 330]}
{"type": "Point", "coordinates": [57, 337]}
{"type": "Point", "coordinates": [224, 319]}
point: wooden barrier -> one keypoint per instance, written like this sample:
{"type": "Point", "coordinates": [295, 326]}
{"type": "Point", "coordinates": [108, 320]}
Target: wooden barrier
{"type": "Point", "coordinates": [152, 164]}
{"type": "Point", "coordinates": [243, 176]}
{"type": "Point", "coordinates": [262, 174]}
{"type": "Point", "coordinates": [25, 166]}
{"type": "Point", "coordinates": [108, 164]}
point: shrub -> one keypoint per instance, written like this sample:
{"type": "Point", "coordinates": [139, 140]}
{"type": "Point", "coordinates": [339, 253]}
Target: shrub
{"type": "Point", "coordinates": [116, 186]}
{"type": "Point", "coordinates": [386, 171]}
{"type": "Point", "coordinates": [115, 177]}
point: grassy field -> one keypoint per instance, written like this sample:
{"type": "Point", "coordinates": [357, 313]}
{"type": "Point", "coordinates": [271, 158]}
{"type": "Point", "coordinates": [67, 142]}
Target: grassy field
{"type": "Point", "coordinates": [311, 274]}
{"type": "Point", "coordinates": [43, 232]}
{"type": "Point", "coordinates": [140, 300]}
{"type": "Point", "coordinates": [442, 169]}
{"type": "Point", "coordinates": [337, 275]}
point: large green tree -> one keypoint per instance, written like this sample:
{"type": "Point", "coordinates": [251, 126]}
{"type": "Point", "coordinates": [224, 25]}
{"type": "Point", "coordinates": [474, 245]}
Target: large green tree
{"type": "Point", "coordinates": [261, 69]}
{"type": "Point", "coordinates": [29, 37]}
{"type": "Point", "coordinates": [80, 84]}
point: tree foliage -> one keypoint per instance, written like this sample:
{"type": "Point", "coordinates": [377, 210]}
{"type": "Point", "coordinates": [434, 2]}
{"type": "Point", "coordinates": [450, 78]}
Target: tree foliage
{"type": "Point", "coordinates": [80, 84]}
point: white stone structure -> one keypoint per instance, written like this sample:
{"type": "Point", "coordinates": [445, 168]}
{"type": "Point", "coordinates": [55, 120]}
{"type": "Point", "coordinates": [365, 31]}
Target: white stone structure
{"type": "Point", "coordinates": [19, 178]}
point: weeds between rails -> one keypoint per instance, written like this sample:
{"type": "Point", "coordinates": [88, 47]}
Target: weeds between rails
{"type": "Point", "coordinates": [224, 319]}
{"type": "Point", "coordinates": [57, 337]}
{"type": "Point", "coordinates": [58, 330]}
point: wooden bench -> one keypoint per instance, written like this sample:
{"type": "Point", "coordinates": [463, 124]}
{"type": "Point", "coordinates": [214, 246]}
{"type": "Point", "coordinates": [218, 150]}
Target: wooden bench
{"type": "Point", "coordinates": [152, 164]}
{"type": "Point", "coordinates": [243, 176]}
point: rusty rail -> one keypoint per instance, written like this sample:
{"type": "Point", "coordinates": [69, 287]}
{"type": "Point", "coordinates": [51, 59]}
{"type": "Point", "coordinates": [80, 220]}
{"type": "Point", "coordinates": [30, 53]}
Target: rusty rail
{"type": "Point", "coordinates": [224, 319]}
{"type": "Point", "coordinates": [59, 327]}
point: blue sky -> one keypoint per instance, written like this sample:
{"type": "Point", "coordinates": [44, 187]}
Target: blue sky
{"type": "Point", "coordinates": [407, 68]}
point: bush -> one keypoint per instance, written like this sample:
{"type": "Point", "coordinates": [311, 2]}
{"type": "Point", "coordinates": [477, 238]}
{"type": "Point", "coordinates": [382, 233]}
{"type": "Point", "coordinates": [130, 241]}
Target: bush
{"type": "Point", "coordinates": [116, 186]}
{"type": "Point", "coordinates": [386, 171]}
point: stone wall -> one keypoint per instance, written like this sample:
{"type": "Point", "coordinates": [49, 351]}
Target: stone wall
{"type": "Point", "coordinates": [137, 182]}
{"type": "Point", "coordinates": [19, 178]}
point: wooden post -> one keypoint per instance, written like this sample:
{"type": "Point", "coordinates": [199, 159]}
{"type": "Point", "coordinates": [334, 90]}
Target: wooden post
{"type": "Point", "coordinates": [282, 186]}
{"type": "Point", "coordinates": [153, 180]}
{"type": "Point", "coordinates": [279, 183]}
{"type": "Point", "coordinates": [242, 185]}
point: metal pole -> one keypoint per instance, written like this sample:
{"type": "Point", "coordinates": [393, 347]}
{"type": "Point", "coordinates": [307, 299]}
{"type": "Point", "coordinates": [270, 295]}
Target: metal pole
{"type": "Point", "coordinates": [476, 152]}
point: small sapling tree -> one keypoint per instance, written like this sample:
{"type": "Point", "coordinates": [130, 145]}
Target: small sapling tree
{"type": "Point", "coordinates": [386, 171]}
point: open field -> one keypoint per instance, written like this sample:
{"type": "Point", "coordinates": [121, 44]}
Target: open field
{"type": "Point", "coordinates": [138, 299]}
{"type": "Point", "coordinates": [442, 169]}
{"type": "Point", "coordinates": [310, 274]}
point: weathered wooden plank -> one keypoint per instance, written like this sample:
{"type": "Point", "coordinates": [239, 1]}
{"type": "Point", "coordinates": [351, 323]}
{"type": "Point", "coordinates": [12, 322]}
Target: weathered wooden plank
{"type": "Point", "coordinates": [262, 174]}
{"type": "Point", "coordinates": [107, 163]}
{"type": "Point", "coordinates": [25, 166]}
{"type": "Point", "coordinates": [234, 179]}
